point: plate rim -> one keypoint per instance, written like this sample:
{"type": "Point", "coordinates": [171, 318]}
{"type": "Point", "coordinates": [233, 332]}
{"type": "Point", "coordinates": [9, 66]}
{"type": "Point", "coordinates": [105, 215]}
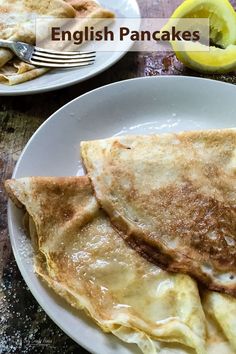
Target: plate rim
{"type": "Point", "coordinates": [117, 58]}
{"type": "Point", "coordinates": [116, 83]}
{"type": "Point", "coordinates": [19, 262]}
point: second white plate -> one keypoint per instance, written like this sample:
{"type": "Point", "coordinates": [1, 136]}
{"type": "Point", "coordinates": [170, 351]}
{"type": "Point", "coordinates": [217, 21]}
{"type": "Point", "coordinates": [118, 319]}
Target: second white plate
{"type": "Point", "coordinates": [59, 78]}
{"type": "Point", "coordinates": [146, 105]}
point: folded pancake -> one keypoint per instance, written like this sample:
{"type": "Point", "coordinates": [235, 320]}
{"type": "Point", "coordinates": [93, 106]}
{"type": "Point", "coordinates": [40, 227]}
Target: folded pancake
{"type": "Point", "coordinates": [16, 72]}
{"type": "Point", "coordinates": [173, 198]}
{"type": "Point", "coordinates": [82, 257]}
{"type": "Point", "coordinates": [17, 22]}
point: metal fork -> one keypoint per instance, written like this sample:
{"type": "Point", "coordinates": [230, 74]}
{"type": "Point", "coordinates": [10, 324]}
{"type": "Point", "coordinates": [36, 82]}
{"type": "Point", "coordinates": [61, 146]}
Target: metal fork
{"type": "Point", "coordinates": [48, 58]}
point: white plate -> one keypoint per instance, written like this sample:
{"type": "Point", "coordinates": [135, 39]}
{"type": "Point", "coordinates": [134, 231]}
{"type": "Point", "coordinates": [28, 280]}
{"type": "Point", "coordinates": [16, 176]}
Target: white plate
{"type": "Point", "coordinates": [145, 105]}
{"type": "Point", "coordinates": [59, 78]}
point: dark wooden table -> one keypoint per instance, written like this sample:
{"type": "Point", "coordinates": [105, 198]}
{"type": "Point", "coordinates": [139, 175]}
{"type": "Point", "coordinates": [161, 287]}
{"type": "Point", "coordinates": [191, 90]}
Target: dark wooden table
{"type": "Point", "coordinates": [24, 327]}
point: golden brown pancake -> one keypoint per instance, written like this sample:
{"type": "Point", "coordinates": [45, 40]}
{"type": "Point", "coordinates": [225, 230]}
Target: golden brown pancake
{"type": "Point", "coordinates": [173, 198]}
{"type": "Point", "coordinates": [81, 256]}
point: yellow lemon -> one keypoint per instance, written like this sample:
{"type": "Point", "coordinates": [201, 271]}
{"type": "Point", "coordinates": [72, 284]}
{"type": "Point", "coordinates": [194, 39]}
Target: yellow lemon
{"type": "Point", "coordinates": [211, 60]}
{"type": "Point", "coordinates": [221, 15]}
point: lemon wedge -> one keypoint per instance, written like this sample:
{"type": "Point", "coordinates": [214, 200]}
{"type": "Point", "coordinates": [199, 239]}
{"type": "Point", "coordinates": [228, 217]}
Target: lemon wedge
{"type": "Point", "coordinates": [221, 15]}
{"type": "Point", "coordinates": [211, 60]}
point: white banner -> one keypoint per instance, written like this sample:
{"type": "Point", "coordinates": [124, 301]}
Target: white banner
{"type": "Point", "coordinates": [122, 34]}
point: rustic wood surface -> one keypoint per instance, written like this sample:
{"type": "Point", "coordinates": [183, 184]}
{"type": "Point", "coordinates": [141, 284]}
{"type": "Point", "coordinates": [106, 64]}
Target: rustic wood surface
{"type": "Point", "coordinates": [24, 327]}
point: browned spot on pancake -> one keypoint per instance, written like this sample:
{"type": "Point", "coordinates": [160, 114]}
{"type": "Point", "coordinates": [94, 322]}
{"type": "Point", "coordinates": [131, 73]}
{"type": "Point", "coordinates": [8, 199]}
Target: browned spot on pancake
{"type": "Point", "coordinates": [210, 139]}
{"type": "Point", "coordinates": [83, 8]}
{"type": "Point", "coordinates": [199, 221]}
{"type": "Point", "coordinates": [66, 213]}
{"type": "Point", "coordinates": [118, 145]}
{"type": "Point", "coordinates": [211, 171]}
{"type": "Point", "coordinates": [58, 202]}
{"type": "Point", "coordinates": [4, 10]}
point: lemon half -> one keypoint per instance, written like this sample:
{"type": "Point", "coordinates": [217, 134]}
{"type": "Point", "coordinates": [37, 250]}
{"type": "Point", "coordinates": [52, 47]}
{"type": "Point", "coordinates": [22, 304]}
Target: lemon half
{"type": "Point", "coordinates": [221, 15]}
{"type": "Point", "coordinates": [215, 60]}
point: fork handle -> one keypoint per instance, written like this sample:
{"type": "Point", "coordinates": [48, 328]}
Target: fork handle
{"type": "Point", "coordinates": [5, 43]}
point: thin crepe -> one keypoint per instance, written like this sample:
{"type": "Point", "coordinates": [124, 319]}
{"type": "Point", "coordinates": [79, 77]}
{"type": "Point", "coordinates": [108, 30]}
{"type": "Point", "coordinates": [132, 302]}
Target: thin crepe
{"type": "Point", "coordinates": [80, 255]}
{"type": "Point", "coordinates": [16, 72]}
{"type": "Point", "coordinates": [173, 198]}
{"type": "Point", "coordinates": [83, 259]}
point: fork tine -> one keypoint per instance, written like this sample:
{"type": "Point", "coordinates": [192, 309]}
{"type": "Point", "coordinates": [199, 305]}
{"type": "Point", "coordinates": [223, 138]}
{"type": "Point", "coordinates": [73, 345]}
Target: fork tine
{"type": "Point", "coordinates": [56, 56]}
{"type": "Point", "coordinates": [60, 61]}
{"type": "Point", "coordinates": [64, 65]}
{"type": "Point", "coordinates": [63, 53]}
